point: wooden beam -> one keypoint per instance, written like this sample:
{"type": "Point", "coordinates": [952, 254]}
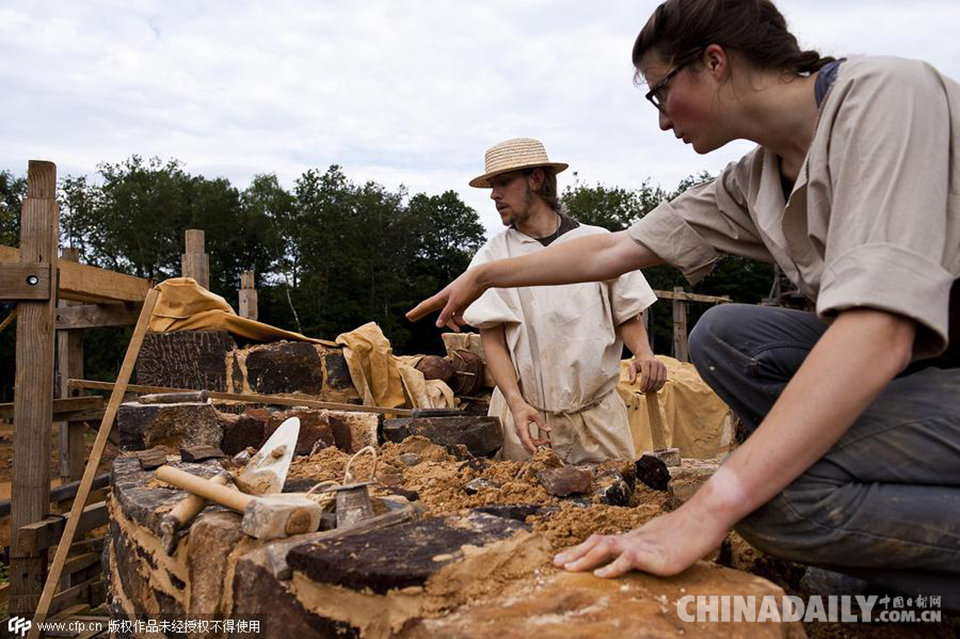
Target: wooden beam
{"type": "Point", "coordinates": [69, 364]}
{"type": "Point", "coordinates": [60, 407]}
{"type": "Point", "coordinates": [33, 389]}
{"type": "Point", "coordinates": [47, 532]}
{"type": "Point", "coordinates": [679, 294]}
{"type": "Point", "coordinates": [8, 320]}
{"type": "Point", "coordinates": [248, 296]}
{"type": "Point", "coordinates": [276, 400]}
{"type": "Point", "coordinates": [680, 327]}
{"type": "Point", "coordinates": [84, 283]}
{"type": "Point", "coordinates": [89, 592]}
{"type": "Point", "coordinates": [64, 492]}
{"type": "Point", "coordinates": [195, 262]}
{"type": "Point", "coordinates": [96, 316]}
{"type": "Point", "coordinates": [25, 281]}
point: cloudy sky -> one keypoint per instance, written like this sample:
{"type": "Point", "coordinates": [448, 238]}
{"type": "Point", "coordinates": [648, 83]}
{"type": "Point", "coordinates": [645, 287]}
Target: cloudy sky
{"type": "Point", "coordinates": [399, 91]}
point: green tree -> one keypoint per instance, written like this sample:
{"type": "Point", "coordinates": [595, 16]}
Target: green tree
{"type": "Point", "coordinates": [12, 192]}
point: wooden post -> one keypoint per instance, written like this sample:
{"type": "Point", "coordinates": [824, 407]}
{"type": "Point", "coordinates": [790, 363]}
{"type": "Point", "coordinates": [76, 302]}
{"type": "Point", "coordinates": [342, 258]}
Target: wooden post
{"type": "Point", "coordinates": [33, 388]}
{"type": "Point", "coordinates": [70, 365]}
{"type": "Point", "coordinates": [195, 262]}
{"type": "Point", "coordinates": [680, 327]}
{"type": "Point", "coordinates": [248, 296]}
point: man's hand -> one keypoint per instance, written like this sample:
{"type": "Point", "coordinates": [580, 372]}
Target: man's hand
{"type": "Point", "coordinates": [653, 373]}
{"type": "Point", "coordinates": [523, 415]}
{"type": "Point", "coordinates": [453, 300]}
{"type": "Point", "coordinates": [663, 546]}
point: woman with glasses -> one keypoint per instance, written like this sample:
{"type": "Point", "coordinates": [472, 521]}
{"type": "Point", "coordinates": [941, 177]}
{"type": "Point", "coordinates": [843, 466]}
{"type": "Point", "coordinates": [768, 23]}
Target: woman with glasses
{"type": "Point", "coordinates": [853, 461]}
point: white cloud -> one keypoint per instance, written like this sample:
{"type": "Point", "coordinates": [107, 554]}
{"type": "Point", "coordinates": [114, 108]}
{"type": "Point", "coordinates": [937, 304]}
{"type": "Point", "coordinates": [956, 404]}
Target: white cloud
{"type": "Point", "coordinates": [398, 91]}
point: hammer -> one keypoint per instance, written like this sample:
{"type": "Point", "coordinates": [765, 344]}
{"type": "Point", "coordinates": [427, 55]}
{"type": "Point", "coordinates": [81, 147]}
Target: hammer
{"type": "Point", "coordinates": [267, 517]}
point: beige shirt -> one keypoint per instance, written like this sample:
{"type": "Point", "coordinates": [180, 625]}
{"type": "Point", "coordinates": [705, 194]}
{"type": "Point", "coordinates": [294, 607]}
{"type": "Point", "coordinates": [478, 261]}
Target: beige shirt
{"type": "Point", "coordinates": [562, 339]}
{"type": "Point", "coordinates": [874, 217]}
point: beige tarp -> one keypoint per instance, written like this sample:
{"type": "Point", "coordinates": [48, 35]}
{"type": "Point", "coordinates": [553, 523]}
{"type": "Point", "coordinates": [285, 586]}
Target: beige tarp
{"type": "Point", "coordinates": [184, 305]}
{"type": "Point", "coordinates": [695, 420]}
{"type": "Point", "coordinates": [380, 378]}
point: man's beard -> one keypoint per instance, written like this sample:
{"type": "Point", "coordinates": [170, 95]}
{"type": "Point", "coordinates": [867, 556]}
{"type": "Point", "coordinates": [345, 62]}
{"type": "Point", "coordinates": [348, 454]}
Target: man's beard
{"type": "Point", "coordinates": [521, 216]}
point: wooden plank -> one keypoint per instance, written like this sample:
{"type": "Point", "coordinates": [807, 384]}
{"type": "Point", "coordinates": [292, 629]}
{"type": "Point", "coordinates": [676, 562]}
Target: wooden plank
{"type": "Point", "coordinates": [195, 262]}
{"type": "Point", "coordinates": [69, 364]}
{"type": "Point", "coordinates": [116, 397]}
{"type": "Point", "coordinates": [43, 534]}
{"type": "Point", "coordinates": [248, 296]}
{"type": "Point", "coordinates": [96, 316]}
{"type": "Point", "coordinates": [257, 399]}
{"type": "Point", "coordinates": [679, 294]}
{"type": "Point", "coordinates": [88, 592]}
{"type": "Point", "coordinates": [60, 407]}
{"type": "Point", "coordinates": [680, 328]}
{"type": "Point", "coordinates": [33, 388]}
{"type": "Point", "coordinates": [8, 320]}
{"type": "Point", "coordinates": [63, 493]}
{"type": "Point", "coordinates": [85, 283]}
{"type": "Point", "coordinates": [25, 281]}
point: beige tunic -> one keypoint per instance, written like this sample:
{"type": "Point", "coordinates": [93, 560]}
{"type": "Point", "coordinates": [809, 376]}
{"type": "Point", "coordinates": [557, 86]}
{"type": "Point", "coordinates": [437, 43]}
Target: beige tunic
{"type": "Point", "coordinates": [565, 351]}
{"type": "Point", "coordinates": [874, 217]}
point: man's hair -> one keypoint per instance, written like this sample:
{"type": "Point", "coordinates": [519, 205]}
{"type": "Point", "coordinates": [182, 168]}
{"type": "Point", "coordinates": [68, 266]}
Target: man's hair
{"type": "Point", "coordinates": [548, 187]}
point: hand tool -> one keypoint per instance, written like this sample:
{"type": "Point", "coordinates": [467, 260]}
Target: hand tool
{"type": "Point", "coordinates": [268, 517]}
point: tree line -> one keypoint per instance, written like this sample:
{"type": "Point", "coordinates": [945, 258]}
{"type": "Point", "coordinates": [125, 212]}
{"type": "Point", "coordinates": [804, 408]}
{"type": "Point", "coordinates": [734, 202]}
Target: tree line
{"type": "Point", "coordinates": [328, 255]}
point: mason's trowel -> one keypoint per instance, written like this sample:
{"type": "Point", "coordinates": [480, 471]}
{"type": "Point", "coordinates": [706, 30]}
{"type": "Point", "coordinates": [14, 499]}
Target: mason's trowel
{"type": "Point", "coordinates": [263, 474]}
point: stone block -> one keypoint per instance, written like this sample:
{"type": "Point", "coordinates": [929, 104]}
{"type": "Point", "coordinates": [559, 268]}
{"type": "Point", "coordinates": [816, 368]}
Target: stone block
{"type": "Point", "coordinates": [195, 360]}
{"type": "Point", "coordinates": [144, 426]}
{"type": "Point", "coordinates": [315, 429]}
{"type": "Point", "coordinates": [653, 472]}
{"type": "Point", "coordinates": [566, 480]}
{"type": "Point", "coordinates": [285, 368]}
{"type": "Point", "coordinates": [199, 453]}
{"type": "Point", "coordinates": [481, 435]}
{"type": "Point", "coordinates": [669, 456]}
{"type": "Point", "coordinates": [241, 431]}
{"type": "Point", "coordinates": [686, 479]}
{"type": "Point", "coordinates": [354, 430]}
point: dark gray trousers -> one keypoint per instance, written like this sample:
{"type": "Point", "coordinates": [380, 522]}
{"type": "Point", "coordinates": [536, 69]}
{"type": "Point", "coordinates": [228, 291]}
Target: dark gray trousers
{"type": "Point", "coordinates": [884, 503]}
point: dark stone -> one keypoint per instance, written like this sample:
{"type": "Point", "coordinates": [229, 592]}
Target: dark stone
{"type": "Point", "coordinates": [194, 360]}
{"type": "Point", "coordinates": [298, 485]}
{"type": "Point", "coordinates": [199, 453]}
{"type": "Point", "coordinates": [478, 484]}
{"type": "Point", "coordinates": [354, 430]}
{"type": "Point", "coordinates": [653, 472]}
{"type": "Point", "coordinates": [284, 367]}
{"type": "Point", "coordinates": [241, 431]}
{"type": "Point", "coordinates": [566, 480]}
{"type": "Point", "coordinates": [399, 556]}
{"type": "Point", "coordinates": [410, 459]}
{"type": "Point", "coordinates": [519, 512]}
{"type": "Point", "coordinates": [482, 436]}
{"type": "Point", "coordinates": [144, 426]}
{"type": "Point", "coordinates": [314, 428]}
{"type": "Point", "coordinates": [612, 489]}
{"type": "Point", "coordinates": [258, 593]}
{"type": "Point", "coordinates": [338, 373]}
{"type": "Point", "coordinates": [153, 458]}
{"type": "Point", "coordinates": [435, 367]}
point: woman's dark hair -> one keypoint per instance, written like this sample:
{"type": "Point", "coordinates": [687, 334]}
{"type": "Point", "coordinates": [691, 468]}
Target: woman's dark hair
{"type": "Point", "coordinates": [679, 31]}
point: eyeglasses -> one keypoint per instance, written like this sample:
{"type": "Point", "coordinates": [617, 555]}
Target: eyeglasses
{"type": "Point", "coordinates": [654, 94]}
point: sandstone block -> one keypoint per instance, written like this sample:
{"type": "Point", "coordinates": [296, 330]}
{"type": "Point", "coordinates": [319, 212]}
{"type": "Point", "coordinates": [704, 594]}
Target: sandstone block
{"type": "Point", "coordinates": [481, 435]}
{"type": "Point", "coordinates": [312, 370]}
{"type": "Point", "coordinates": [566, 480]}
{"type": "Point", "coordinates": [669, 456]}
{"type": "Point", "coordinates": [144, 426]}
{"type": "Point", "coordinates": [687, 479]}
{"type": "Point", "coordinates": [195, 360]}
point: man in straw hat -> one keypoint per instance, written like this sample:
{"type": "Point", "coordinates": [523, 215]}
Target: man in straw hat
{"type": "Point", "coordinates": [554, 351]}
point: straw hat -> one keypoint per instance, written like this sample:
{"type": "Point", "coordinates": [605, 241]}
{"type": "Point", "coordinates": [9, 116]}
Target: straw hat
{"type": "Point", "coordinates": [512, 155]}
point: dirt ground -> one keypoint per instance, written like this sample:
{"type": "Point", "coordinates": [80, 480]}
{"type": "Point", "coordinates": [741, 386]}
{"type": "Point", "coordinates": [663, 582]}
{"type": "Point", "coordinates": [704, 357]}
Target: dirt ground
{"type": "Point", "coordinates": [6, 467]}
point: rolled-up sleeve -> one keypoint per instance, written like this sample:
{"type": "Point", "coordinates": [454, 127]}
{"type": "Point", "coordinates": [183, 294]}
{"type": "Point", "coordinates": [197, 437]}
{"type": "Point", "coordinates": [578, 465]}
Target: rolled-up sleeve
{"type": "Point", "coordinates": [630, 295]}
{"type": "Point", "coordinates": [692, 230]}
{"type": "Point", "coordinates": [889, 164]}
{"type": "Point", "coordinates": [496, 305]}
